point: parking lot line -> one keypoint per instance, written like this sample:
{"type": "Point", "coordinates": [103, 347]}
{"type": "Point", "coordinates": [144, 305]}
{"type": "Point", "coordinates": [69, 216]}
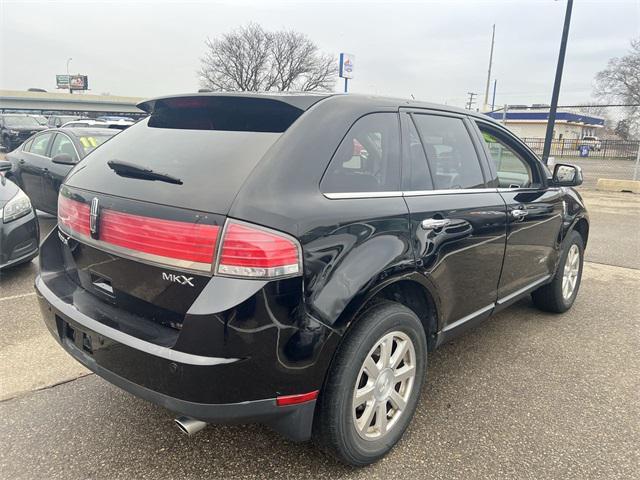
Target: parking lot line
{"type": "Point", "coordinates": [13, 297]}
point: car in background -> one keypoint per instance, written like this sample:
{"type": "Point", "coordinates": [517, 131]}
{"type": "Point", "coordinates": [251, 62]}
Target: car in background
{"type": "Point", "coordinates": [56, 121]}
{"type": "Point", "coordinates": [42, 163]}
{"type": "Point", "coordinates": [19, 233]}
{"type": "Point", "coordinates": [15, 128]}
{"type": "Point", "coordinates": [592, 142]}
{"type": "Point", "coordinates": [87, 123]}
{"type": "Point", "coordinates": [42, 120]}
{"type": "Point", "coordinates": [115, 118]}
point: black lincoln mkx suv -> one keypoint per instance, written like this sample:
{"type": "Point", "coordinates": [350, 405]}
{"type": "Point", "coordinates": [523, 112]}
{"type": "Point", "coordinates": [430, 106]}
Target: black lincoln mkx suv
{"type": "Point", "coordinates": [293, 259]}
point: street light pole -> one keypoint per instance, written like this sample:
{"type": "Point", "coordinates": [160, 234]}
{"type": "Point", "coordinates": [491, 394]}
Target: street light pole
{"type": "Point", "coordinates": [556, 85]}
{"type": "Point", "coordinates": [68, 77]}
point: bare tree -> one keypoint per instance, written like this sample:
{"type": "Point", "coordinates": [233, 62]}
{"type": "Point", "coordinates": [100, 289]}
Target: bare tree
{"type": "Point", "coordinates": [620, 82]}
{"type": "Point", "coordinates": [253, 59]}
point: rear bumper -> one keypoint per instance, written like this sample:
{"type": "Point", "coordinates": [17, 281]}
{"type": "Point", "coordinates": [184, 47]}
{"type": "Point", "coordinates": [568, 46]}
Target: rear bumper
{"type": "Point", "coordinates": [94, 345]}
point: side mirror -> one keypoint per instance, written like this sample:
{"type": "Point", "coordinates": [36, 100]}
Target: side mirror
{"type": "Point", "coordinates": [5, 166]}
{"type": "Point", "coordinates": [567, 175]}
{"type": "Point", "coordinates": [63, 159]}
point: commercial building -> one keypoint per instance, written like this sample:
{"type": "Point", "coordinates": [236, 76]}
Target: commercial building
{"type": "Point", "coordinates": [529, 122]}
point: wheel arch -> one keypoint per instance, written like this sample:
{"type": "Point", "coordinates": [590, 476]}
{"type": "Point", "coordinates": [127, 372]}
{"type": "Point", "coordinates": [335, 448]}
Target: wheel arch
{"type": "Point", "coordinates": [411, 290]}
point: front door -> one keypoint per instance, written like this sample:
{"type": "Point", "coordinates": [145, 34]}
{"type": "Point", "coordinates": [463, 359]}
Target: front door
{"type": "Point", "coordinates": [534, 213]}
{"type": "Point", "coordinates": [56, 172]}
{"type": "Point", "coordinates": [457, 220]}
{"type": "Point", "coordinates": [32, 164]}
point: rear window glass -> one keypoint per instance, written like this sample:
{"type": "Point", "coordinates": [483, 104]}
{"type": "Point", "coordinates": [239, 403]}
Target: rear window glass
{"type": "Point", "coordinates": [224, 113]}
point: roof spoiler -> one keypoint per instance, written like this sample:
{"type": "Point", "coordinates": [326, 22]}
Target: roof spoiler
{"type": "Point", "coordinates": [302, 101]}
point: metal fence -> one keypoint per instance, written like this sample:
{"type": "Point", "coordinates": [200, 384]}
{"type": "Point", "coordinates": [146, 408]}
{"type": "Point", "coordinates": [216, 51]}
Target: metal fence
{"type": "Point", "coordinates": [616, 159]}
{"type": "Point", "coordinates": [615, 149]}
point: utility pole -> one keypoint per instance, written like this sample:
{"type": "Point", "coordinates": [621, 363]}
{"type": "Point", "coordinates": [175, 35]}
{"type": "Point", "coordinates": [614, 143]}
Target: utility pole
{"type": "Point", "coordinates": [471, 101]}
{"type": "Point", "coordinates": [486, 90]}
{"type": "Point", "coordinates": [556, 85]}
{"type": "Point", "coordinates": [493, 101]}
{"type": "Point", "coordinates": [68, 77]}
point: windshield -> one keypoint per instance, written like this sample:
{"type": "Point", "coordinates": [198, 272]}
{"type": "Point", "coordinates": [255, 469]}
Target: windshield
{"type": "Point", "coordinates": [20, 121]}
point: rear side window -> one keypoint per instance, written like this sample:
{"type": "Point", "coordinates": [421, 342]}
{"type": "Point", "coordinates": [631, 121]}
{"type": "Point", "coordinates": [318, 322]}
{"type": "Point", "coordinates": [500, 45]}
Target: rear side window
{"type": "Point", "coordinates": [368, 158]}
{"type": "Point", "coordinates": [450, 152]}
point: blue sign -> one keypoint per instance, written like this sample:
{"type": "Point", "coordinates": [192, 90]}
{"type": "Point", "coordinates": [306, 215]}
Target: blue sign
{"type": "Point", "coordinates": [584, 150]}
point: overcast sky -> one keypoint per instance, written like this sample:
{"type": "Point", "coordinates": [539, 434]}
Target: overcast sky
{"type": "Point", "coordinates": [434, 50]}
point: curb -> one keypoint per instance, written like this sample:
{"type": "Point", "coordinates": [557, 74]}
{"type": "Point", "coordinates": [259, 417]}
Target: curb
{"type": "Point", "coordinates": [611, 185]}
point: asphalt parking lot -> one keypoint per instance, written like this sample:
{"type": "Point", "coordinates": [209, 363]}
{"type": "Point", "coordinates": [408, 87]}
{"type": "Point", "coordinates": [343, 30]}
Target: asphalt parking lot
{"type": "Point", "coordinates": [527, 395]}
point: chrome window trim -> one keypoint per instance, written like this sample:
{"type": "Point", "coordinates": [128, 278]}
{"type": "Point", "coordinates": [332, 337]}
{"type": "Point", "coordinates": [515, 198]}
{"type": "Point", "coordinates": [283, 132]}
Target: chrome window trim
{"type": "Point", "coordinates": [348, 195]}
{"type": "Point", "coordinates": [409, 193]}
{"type": "Point", "coordinates": [419, 193]}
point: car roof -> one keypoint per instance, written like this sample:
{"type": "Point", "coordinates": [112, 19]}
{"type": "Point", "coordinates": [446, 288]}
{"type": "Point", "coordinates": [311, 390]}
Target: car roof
{"type": "Point", "coordinates": [86, 131]}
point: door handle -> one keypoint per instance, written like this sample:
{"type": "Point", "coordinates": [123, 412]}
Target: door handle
{"type": "Point", "coordinates": [433, 223]}
{"type": "Point", "coordinates": [519, 214]}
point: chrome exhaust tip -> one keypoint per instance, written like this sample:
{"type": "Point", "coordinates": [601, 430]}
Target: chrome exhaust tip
{"type": "Point", "coordinates": [188, 425]}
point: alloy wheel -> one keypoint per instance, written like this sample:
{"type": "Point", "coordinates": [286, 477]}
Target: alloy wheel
{"type": "Point", "coordinates": [384, 385]}
{"type": "Point", "coordinates": [570, 273]}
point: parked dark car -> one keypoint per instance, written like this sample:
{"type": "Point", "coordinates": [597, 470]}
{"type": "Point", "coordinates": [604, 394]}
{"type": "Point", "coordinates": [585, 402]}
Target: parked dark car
{"type": "Point", "coordinates": [56, 121]}
{"type": "Point", "coordinates": [42, 162]}
{"type": "Point", "coordinates": [236, 258]}
{"type": "Point", "coordinates": [15, 128]}
{"type": "Point", "coordinates": [19, 234]}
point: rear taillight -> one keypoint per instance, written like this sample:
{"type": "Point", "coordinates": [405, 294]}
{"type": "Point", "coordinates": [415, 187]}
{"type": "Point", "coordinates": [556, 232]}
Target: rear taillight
{"type": "Point", "coordinates": [246, 251]}
{"type": "Point", "coordinates": [250, 251]}
{"type": "Point", "coordinates": [73, 216]}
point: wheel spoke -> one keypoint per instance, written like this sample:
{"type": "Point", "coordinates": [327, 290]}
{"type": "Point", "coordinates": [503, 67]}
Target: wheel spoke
{"type": "Point", "coordinates": [396, 399]}
{"type": "Point", "coordinates": [363, 395]}
{"type": "Point", "coordinates": [364, 422]}
{"type": "Point", "coordinates": [404, 373]}
{"type": "Point", "coordinates": [398, 355]}
{"type": "Point", "coordinates": [385, 351]}
{"type": "Point", "coordinates": [381, 417]}
{"type": "Point", "coordinates": [371, 368]}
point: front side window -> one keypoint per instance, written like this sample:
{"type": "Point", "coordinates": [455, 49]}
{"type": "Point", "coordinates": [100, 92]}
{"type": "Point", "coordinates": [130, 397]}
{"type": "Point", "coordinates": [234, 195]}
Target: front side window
{"type": "Point", "coordinates": [63, 144]}
{"type": "Point", "coordinates": [368, 158]}
{"type": "Point", "coordinates": [452, 158]}
{"type": "Point", "coordinates": [39, 145]}
{"type": "Point", "coordinates": [513, 171]}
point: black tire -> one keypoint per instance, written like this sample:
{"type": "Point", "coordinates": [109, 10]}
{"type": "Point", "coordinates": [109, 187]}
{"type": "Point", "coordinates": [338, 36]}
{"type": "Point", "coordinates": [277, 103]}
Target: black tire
{"type": "Point", "coordinates": [334, 428]}
{"type": "Point", "coordinates": [550, 297]}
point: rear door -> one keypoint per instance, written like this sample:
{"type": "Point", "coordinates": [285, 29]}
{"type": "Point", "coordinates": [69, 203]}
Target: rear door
{"type": "Point", "coordinates": [457, 219]}
{"type": "Point", "coordinates": [32, 165]}
{"type": "Point", "coordinates": [534, 212]}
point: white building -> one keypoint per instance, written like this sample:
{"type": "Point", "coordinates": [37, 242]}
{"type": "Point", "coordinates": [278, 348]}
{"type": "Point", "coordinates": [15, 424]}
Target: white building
{"type": "Point", "coordinates": [532, 123]}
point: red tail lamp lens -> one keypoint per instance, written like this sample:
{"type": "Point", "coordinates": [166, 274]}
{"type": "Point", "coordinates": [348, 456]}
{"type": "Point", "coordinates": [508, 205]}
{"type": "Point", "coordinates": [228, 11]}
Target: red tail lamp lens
{"type": "Point", "coordinates": [73, 216]}
{"type": "Point", "coordinates": [255, 252]}
{"type": "Point", "coordinates": [191, 242]}
{"type": "Point", "coordinates": [296, 399]}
